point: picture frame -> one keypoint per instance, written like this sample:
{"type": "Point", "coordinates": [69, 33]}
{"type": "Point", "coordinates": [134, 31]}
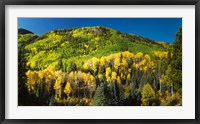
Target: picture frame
{"type": "Point", "coordinates": [3, 120]}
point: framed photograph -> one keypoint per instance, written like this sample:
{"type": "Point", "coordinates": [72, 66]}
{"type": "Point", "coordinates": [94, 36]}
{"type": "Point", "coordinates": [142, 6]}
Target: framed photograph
{"type": "Point", "coordinates": [99, 61]}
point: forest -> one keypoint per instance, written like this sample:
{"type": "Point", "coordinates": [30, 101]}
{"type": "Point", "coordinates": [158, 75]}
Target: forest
{"type": "Point", "coordinates": [98, 66]}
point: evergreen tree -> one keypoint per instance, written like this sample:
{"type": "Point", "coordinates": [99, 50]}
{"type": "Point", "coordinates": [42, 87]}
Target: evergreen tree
{"type": "Point", "coordinates": [176, 64]}
{"type": "Point", "coordinates": [23, 97]}
{"type": "Point", "coordinates": [100, 96]}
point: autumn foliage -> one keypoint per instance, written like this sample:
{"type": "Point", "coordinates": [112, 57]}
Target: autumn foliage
{"type": "Point", "coordinates": [122, 77]}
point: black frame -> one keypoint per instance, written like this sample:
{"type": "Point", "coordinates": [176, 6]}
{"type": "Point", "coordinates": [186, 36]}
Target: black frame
{"type": "Point", "coordinates": [99, 2]}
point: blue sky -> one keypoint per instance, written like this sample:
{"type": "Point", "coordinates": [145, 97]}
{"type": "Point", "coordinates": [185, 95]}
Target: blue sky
{"type": "Point", "coordinates": [158, 29]}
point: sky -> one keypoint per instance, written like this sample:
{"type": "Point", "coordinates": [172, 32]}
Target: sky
{"type": "Point", "coordinates": [158, 29]}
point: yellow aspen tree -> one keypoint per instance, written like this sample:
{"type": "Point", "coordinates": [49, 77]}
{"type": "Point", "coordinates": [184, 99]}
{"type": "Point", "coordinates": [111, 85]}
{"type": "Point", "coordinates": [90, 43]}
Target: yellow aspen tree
{"type": "Point", "coordinates": [117, 63]}
{"type": "Point", "coordinates": [127, 55]}
{"type": "Point", "coordinates": [32, 77]}
{"type": "Point", "coordinates": [95, 63]}
{"type": "Point", "coordinates": [124, 63]}
{"type": "Point", "coordinates": [58, 88]}
{"type": "Point", "coordinates": [129, 76]}
{"type": "Point", "coordinates": [108, 74]}
{"type": "Point", "coordinates": [139, 56]}
{"type": "Point", "coordinates": [68, 89]}
{"type": "Point", "coordinates": [118, 80]}
{"type": "Point", "coordinates": [148, 94]}
{"type": "Point", "coordinates": [114, 75]}
{"type": "Point", "coordinates": [147, 57]}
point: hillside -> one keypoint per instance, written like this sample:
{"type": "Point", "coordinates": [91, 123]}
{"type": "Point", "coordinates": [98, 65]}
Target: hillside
{"type": "Point", "coordinates": [78, 45]}
{"type": "Point", "coordinates": [98, 66]}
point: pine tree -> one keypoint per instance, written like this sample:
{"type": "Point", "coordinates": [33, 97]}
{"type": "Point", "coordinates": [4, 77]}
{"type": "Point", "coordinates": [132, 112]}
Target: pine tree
{"type": "Point", "coordinates": [176, 64]}
{"type": "Point", "coordinates": [100, 96]}
{"type": "Point", "coordinates": [22, 89]}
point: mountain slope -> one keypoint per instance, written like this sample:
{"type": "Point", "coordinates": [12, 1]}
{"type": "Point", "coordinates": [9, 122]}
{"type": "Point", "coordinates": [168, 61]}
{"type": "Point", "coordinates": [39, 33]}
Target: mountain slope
{"type": "Point", "coordinates": [80, 44]}
{"type": "Point", "coordinates": [98, 66]}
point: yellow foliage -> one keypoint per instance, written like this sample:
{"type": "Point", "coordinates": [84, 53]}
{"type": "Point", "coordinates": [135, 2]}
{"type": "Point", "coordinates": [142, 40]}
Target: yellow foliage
{"type": "Point", "coordinates": [108, 72]}
{"type": "Point", "coordinates": [57, 87]}
{"type": "Point", "coordinates": [148, 94]}
{"type": "Point", "coordinates": [72, 75]}
{"type": "Point", "coordinates": [124, 62]}
{"type": "Point", "coordinates": [34, 49]}
{"type": "Point", "coordinates": [91, 64]}
{"type": "Point", "coordinates": [32, 80]}
{"type": "Point", "coordinates": [85, 83]}
{"type": "Point", "coordinates": [78, 78]}
{"type": "Point", "coordinates": [78, 33]}
{"type": "Point", "coordinates": [114, 75]}
{"type": "Point", "coordinates": [54, 36]}
{"type": "Point", "coordinates": [51, 68]}
{"type": "Point", "coordinates": [127, 54]}
{"type": "Point", "coordinates": [139, 55]}
{"type": "Point", "coordinates": [143, 62]}
{"type": "Point", "coordinates": [102, 61]}
{"type": "Point", "coordinates": [64, 44]}
{"type": "Point", "coordinates": [100, 76]}
{"type": "Point", "coordinates": [95, 62]}
{"type": "Point", "coordinates": [118, 80]}
{"type": "Point", "coordinates": [57, 84]}
{"type": "Point", "coordinates": [117, 63]}
{"type": "Point", "coordinates": [147, 57]}
{"type": "Point", "coordinates": [86, 46]}
{"type": "Point", "coordinates": [145, 68]}
{"type": "Point", "coordinates": [161, 54]}
{"type": "Point", "coordinates": [151, 65]}
{"type": "Point", "coordinates": [32, 63]}
{"type": "Point", "coordinates": [136, 65]}
{"type": "Point", "coordinates": [67, 89]}
{"type": "Point", "coordinates": [85, 66]}
{"type": "Point", "coordinates": [129, 76]}
{"type": "Point", "coordinates": [110, 57]}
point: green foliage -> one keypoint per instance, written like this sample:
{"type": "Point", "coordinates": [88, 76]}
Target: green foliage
{"type": "Point", "coordinates": [26, 39]}
{"type": "Point", "coordinates": [22, 90]}
{"type": "Point", "coordinates": [176, 63]}
{"type": "Point", "coordinates": [100, 96]}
